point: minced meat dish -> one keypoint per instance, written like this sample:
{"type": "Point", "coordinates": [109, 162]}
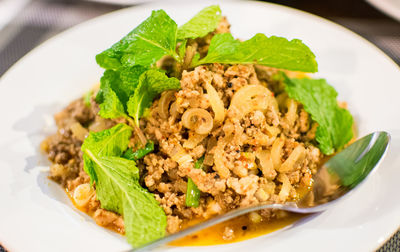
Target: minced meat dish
{"type": "Point", "coordinates": [231, 135]}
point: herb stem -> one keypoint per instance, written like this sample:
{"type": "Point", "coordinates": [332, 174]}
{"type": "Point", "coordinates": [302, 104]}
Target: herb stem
{"type": "Point", "coordinates": [138, 131]}
{"type": "Point", "coordinates": [188, 58]}
{"type": "Point", "coordinates": [178, 58]}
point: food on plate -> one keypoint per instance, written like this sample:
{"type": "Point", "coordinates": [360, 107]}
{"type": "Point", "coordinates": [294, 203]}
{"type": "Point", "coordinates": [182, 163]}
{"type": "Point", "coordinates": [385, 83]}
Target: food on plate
{"type": "Point", "coordinates": [189, 123]}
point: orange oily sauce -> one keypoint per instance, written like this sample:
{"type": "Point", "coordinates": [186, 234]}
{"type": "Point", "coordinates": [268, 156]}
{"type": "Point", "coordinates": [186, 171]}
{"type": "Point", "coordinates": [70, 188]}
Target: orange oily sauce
{"type": "Point", "coordinates": [111, 227]}
{"type": "Point", "coordinates": [243, 229]}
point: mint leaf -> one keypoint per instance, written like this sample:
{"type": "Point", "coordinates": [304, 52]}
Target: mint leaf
{"type": "Point", "coordinates": [115, 89]}
{"type": "Point", "coordinates": [222, 48]}
{"type": "Point", "coordinates": [271, 51]}
{"type": "Point", "coordinates": [110, 104]}
{"type": "Point", "coordinates": [319, 100]}
{"type": "Point", "coordinates": [110, 171]}
{"type": "Point", "coordinates": [144, 45]}
{"type": "Point", "coordinates": [151, 84]}
{"type": "Point", "coordinates": [200, 25]}
{"type": "Point", "coordinates": [129, 80]}
{"type": "Point", "coordinates": [110, 142]}
{"type": "Point", "coordinates": [117, 185]}
{"type": "Point", "coordinates": [118, 190]}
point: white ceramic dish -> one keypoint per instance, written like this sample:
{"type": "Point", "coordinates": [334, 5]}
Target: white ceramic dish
{"type": "Point", "coordinates": [389, 7]}
{"type": "Point", "coordinates": [35, 213]}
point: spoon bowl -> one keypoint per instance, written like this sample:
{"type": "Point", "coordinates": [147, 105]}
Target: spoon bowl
{"type": "Point", "coordinates": [335, 179]}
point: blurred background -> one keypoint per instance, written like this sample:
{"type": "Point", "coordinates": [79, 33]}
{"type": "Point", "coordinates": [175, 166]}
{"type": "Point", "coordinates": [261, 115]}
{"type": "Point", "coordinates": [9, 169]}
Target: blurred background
{"type": "Point", "coordinates": [24, 24]}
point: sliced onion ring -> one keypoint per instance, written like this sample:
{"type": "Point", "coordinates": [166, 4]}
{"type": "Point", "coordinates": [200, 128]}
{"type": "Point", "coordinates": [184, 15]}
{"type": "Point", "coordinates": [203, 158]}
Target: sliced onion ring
{"type": "Point", "coordinates": [250, 98]}
{"type": "Point", "coordinates": [216, 104]}
{"type": "Point", "coordinates": [193, 140]}
{"type": "Point", "coordinates": [199, 120]}
{"type": "Point", "coordinates": [164, 102]}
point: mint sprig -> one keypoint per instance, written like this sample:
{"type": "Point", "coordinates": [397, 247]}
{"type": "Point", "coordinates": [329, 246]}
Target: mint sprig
{"type": "Point", "coordinates": [200, 25]}
{"type": "Point", "coordinates": [120, 89]}
{"type": "Point", "coordinates": [144, 45]}
{"type": "Point", "coordinates": [151, 84]}
{"type": "Point", "coordinates": [271, 51]}
{"type": "Point", "coordinates": [319, 100]}
{"type": "Point", "coordinates": [117, 185]}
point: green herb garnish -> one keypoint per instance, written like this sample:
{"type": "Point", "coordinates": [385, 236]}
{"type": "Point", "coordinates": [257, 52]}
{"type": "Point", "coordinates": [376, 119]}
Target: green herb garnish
{"type": "Point", "coordinates": [200, 25]}
{"type": "Point", "coordinates": [144, 45]}
{"type": "Point", "coordinates": [271, 51]}
{"type": "Point", "coordinates": [319, 100]}
{"type": "Point", "coordinates": [124, 91]}
{"type": "Point", "coordinates": [117, 185]}
{"type": "Point", "coordinates": [111, 105]}
{"type": "Point", "coordinates": [151, 84]}
{"type": "Point", "coordinates": [116, 96]}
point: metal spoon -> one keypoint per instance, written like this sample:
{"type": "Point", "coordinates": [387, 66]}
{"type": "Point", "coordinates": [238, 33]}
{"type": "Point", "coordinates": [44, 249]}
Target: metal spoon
{"type": "Point", "coordinates": [336, 178]}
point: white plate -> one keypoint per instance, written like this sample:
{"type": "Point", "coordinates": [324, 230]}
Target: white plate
{"type": "Point", "coordinates": [35, 213]}
{"type": "Point", "coordinates": [390, 7]}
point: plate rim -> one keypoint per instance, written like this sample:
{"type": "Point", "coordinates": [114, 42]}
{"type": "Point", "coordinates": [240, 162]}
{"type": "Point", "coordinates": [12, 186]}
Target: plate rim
{"type": "Point", "coordinates": [385, 8]}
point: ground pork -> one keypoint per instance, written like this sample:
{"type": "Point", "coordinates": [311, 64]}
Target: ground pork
{"type": "Point", "coordinates": [246, 158]}
{"type": "Point", "coordinates": [64, 151]}
{"type": "Point", "coordinates": [246, 184]}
